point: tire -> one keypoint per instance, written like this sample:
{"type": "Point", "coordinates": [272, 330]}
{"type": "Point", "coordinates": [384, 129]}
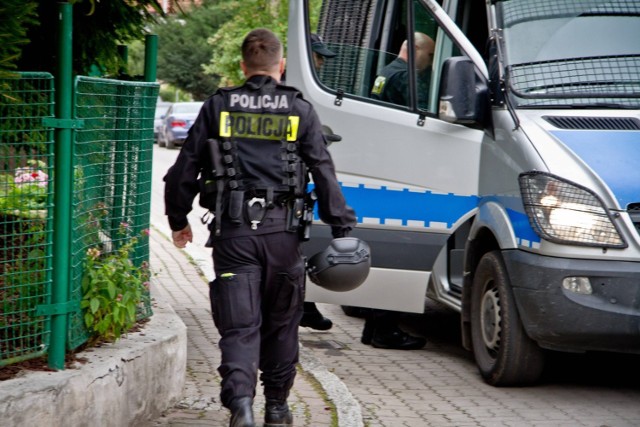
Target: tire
{"type": "Point", "coordinates": [170, 144]}
{"type": "Point", "coordinates": [161, 141]}
{"type": "Point", "coordinates": [504, 354]}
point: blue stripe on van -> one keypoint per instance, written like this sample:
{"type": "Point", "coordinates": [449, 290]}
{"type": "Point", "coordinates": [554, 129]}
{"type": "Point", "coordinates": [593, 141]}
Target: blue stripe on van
{"type": "Point", "coordinates": [522, 228]}
{"type": "Point", "coordinates": [613, 155]}
{"type": "Point", "coordinates": [402, 206]}
{"type": "Point", "coordinates": [392, 206]}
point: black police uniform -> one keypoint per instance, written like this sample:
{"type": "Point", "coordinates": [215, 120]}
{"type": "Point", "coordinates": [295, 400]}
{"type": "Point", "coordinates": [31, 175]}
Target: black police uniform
{"type": "Point", "coordinates": [257, 296]}
{"type": "Point", "coordinates": [392, 84]}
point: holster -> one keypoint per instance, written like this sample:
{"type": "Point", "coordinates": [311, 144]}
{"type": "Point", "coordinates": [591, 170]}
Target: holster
{"type": "Point", "coordinates": [295, 213]}
{"type": "Point", "coordinates": [306, 220]}
{"type": "Point", "coordinates": [236, 206]}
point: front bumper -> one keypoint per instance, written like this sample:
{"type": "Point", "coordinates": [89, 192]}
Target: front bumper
{"type": "Point", "coordinates": [608, 319]}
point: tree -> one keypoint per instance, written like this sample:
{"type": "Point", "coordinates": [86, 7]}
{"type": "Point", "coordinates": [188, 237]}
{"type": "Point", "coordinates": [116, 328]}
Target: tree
{"type": "Point", "coordinates": [98, 28]}
{"type": "Point", "coordinates": [226, 42]}
{"type": "Point", "coordinates": [183, 49]}
{"type": "Point", "coordinates": [15, 17]}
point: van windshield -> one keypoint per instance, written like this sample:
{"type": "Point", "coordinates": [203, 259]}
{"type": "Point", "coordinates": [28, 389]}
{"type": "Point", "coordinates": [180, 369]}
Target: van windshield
{"type": "Point", "coordinates": [572, 53]}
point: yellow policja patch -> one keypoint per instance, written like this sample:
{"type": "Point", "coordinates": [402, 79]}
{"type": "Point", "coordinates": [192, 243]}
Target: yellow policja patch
{"type": "Point", "coordinates": [273, 127]}
{"type": "Point", "coordinates": [378, 85]}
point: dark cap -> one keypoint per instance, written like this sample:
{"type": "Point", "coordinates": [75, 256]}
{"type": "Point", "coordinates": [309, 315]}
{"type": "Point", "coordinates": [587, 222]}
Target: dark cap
{"type": "Point", "coordinates": [320, 48]}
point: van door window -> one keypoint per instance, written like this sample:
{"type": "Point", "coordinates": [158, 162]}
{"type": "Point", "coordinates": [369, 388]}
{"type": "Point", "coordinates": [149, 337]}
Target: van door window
{"type": "Point", "coordinates": [393, 56]}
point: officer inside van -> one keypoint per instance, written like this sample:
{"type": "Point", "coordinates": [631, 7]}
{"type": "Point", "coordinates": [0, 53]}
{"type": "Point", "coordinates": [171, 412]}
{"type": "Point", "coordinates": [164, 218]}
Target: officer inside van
{"type": "Point", "coordinates": [392, 84]}
{"type": "Point", "coordinates": [381, 328]}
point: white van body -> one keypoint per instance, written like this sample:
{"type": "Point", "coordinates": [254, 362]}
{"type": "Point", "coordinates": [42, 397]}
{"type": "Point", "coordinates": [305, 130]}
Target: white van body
{"type": "Point", "coordinates": [511, 192]}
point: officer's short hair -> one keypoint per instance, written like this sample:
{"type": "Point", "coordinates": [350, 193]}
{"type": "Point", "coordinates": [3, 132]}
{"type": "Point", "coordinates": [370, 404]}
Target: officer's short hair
{"type": "Point", "coordinates": [261, 49]}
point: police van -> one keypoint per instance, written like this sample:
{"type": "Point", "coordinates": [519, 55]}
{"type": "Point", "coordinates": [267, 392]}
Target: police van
{"type": "Point", "coordinates": [510, 190]}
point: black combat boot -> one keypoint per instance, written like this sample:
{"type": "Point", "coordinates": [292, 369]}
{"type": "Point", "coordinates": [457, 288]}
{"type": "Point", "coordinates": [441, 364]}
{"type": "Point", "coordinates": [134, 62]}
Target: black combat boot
{"type": "Point", "coordinates": [242, 412]}
{"type": "Point", "coordinates": [367, 332]}
{"type": "Point", "coordinates": [277, 414]}
{"type": "Point", "coordinates": [312, 318]}
{"type": "Point", "coordinates": [381, 330]}
{"type": "Point", "coordinates": [395, 338]}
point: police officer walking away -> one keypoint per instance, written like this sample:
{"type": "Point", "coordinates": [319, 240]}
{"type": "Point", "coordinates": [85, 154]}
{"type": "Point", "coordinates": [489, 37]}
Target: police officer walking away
{"type": "Point", "coordinates": [246, 154]}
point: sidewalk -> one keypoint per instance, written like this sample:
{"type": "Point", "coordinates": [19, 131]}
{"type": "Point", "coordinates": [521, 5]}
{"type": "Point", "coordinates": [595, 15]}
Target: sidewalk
{"type": "Point", "coordinates": [179, 283]}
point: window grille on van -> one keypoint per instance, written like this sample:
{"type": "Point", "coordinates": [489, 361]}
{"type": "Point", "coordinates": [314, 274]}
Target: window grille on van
{"type": "Point", "coordinates": [594, 123]}
{"type": "Point", "coordinates": [344, 26]}
{"type": "Point", "coordinates": [525, 11]}
{"type": "Point", "coordinates": [634, 213]}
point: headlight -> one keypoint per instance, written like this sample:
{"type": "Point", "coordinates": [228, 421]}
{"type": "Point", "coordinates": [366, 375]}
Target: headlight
{"type": "Point", "coordinates": [563, 212]}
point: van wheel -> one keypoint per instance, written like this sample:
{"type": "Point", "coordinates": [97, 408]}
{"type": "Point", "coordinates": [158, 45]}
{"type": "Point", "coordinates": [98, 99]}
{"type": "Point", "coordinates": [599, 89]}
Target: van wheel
{"type": "Point", "coordinates": [505, 355]}
{"type": "Point", "coordinates": [170, 144]}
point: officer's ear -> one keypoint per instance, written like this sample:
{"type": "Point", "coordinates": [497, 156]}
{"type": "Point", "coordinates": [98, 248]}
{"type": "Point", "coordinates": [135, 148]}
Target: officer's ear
{"type": "Point", "coordinates": [283, 65]}
{"type": "Point", "coordinates": [243, 66]}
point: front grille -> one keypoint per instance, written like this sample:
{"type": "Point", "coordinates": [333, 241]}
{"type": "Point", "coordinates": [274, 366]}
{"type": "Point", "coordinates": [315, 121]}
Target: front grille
{"type": "Point", "coordinates": [594, 123]}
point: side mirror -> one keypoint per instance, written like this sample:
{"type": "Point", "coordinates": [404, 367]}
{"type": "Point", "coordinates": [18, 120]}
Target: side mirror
{"type": "Point", "coordinates": [464, 93]}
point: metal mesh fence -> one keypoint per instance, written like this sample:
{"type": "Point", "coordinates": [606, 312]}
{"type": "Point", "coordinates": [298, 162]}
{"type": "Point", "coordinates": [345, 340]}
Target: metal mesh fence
{"type": "Point", "coordinates": [110, 203]}
{"type": "Point", "coordinates": [112, 177]}
{"type": "Point", "coordinates": [26, 193]}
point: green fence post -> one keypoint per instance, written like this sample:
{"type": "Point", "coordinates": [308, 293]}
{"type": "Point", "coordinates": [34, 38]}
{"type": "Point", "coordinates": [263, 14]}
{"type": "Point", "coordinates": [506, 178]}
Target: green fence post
{"type": "Point", "coordinates": [123, 54]}
{"type": "Point", "coordinates": [150, 57]}
{"type": "Point", "coordinates": [63, 183]}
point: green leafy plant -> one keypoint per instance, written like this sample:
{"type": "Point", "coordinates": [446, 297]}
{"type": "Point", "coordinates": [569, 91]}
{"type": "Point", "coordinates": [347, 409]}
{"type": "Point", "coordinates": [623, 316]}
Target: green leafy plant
{"type": "Point", "coordinates": [113, 288]}
{"type": "Point", "coordinates": [24, 194]}
{"type": "Point", "coordinates": [23, 284]}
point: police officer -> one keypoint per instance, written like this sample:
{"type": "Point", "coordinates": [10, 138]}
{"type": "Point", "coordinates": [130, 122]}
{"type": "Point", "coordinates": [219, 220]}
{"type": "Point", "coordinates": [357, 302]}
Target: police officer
{"type": "Point", "coordinates": [263, 130]}
{"type": "Point", "coordinates": [311, 316]}
{"type": "Point", "coordinates": [381, 328]}
{"type": "Point", "coordinates": [392, 84]}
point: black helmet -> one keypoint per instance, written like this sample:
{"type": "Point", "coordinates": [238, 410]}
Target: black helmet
{"type": "Point", "coordinates": [343, 266]}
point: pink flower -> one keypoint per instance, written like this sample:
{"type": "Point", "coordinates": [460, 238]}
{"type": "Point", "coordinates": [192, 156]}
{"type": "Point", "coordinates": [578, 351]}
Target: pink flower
{"type": "Point", "coordinates": [146, 232]}
{"type": "Point", "coordinates": [24, 176]}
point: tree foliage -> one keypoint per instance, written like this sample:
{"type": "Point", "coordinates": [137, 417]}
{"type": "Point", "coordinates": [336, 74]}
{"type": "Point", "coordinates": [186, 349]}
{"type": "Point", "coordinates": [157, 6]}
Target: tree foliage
{"type": "Point", "coordinates": [226, 42]}
{"type": "Point", "coordinates": [183, 49]}
{"type": "Point", "coordinates": [15, 17]}
{"type": "Point", "coordinates": [98, 28]}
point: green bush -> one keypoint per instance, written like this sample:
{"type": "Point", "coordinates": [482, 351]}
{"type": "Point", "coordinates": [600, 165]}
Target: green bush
{"type": "Point", "coordinates": [113, 289]}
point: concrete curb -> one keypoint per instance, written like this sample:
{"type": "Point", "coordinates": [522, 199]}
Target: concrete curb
{"type": "Point", "coordinates": [125, 383]}
{"type": "Point", "coordinates": [348, 408]}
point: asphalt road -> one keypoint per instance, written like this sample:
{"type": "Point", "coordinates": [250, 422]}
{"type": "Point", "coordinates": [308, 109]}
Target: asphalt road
{"type": "Point", "coordinates": [440, 385]}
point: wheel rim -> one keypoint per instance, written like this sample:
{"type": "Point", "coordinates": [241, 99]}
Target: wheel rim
{"type": "Point", "coordinates": [490, 320]}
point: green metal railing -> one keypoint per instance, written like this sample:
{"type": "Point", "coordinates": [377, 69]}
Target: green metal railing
{"type": "Point", "coordinates": [26, 195]}
{"type": "Point", "coordinates": [112, 174]}
{"type": "Point", "coordinates": [75, 175]}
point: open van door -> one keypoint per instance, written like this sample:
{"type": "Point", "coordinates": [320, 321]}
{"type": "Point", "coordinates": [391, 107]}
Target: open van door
{"type": "Point", "coordinates": [411, 177]}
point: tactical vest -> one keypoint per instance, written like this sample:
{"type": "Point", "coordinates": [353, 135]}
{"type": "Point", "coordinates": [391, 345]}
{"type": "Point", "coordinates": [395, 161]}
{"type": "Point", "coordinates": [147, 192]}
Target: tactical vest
{"type": "Point", "coordinates": [257, 152]}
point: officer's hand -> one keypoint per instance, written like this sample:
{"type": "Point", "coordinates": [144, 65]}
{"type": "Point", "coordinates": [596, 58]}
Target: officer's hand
{"type": "Point", "coordinates": [182, 237]}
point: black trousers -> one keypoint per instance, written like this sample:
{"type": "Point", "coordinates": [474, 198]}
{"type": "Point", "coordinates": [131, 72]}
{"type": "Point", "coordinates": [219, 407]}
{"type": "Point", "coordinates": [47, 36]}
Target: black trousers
{"type": "Point", "coordinates": [256, 302]}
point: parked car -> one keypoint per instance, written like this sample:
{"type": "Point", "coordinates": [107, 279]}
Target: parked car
{"type": "Point", "coordinates": [161, 109]}
{"type": "Point", "coordinates": [176, 123]}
